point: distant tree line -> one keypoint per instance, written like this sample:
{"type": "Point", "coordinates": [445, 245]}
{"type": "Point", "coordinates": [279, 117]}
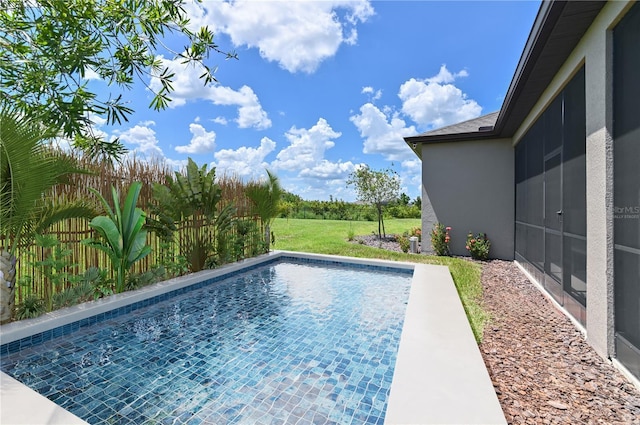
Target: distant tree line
{"type": "Point", "coordinates": [293, 206]}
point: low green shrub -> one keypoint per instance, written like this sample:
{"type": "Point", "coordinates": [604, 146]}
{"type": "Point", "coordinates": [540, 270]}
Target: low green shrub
{"type": "Point", "coordinates": [478, 246]}
{"type": "Point", "coordinates": [81, 292]}
{"type": "Point", "coordinates": [31, 306]}
{"type": "Point", "coordinates": [138, 280]}
{"type": "Point", "coordinates": [97, 279]}
{"type": "Point", "coordinates": [404, 243]}
{"type": "Point", "coordinates": [440, 239]}
{"type": "Point", "coordinates": [417, 232]}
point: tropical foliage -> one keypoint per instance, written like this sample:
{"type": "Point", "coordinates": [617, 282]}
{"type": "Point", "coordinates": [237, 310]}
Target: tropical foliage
{"type": "Point", "coordinates": [24, 211]}
{"type": "Point", "coordinates": [265, 197]}
{"type": "Point", "coordinates": [55, 266]}
{"type": "Point", "coordinates": [28, 170]}
{"type": "Point", "coordinates": [192, 199]}
{"type": "Point", "coordinates": [122, 237]}
{"type": "Point", "coordinates": [193, 220]}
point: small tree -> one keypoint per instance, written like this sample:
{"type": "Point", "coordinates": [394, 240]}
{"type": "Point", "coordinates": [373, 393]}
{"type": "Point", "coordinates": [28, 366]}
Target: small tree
{"type": "Point", "coordinates": [376, 188]}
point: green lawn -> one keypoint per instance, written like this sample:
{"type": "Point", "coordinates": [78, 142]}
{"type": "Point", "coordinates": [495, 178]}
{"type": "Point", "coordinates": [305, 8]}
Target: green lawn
{"type": "Point", "coordinates": [331, 237]}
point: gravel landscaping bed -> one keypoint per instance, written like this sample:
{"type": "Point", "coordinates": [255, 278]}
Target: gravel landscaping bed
{"type": "Point", "coordinates": [542, 368]}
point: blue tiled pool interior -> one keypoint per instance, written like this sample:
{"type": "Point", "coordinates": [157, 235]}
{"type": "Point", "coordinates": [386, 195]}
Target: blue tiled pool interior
{"type": "Point", "coordinates": [287, 342]}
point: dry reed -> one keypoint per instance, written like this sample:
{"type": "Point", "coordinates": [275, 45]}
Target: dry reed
{"type": "Point", "coordinates": [102, 177]}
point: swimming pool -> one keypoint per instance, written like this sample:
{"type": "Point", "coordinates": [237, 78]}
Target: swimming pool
{"type": "Point", "coordinates": [291, 340]}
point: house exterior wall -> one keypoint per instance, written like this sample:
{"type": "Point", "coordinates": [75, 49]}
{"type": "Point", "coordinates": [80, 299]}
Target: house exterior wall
{"type": "Point", "coordinates": [469, 186]}
{"type": "Point", "coordinates": [595, 53]}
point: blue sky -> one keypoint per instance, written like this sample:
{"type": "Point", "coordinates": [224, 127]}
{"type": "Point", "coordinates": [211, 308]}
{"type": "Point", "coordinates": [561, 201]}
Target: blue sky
{"type": "Point", "coordinates": [322, 87]}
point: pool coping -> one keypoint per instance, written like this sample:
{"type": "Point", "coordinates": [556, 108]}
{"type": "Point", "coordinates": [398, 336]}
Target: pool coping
{"type": "Point", "coordinates": [440, 376]}
{"type": "Point", "coordinates": [435, 327]}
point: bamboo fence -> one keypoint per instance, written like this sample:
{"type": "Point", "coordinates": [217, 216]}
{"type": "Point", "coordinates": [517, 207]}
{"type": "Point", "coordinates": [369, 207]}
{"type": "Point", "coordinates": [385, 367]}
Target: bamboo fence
{"type": "Point", "coordinates": [70, 233]}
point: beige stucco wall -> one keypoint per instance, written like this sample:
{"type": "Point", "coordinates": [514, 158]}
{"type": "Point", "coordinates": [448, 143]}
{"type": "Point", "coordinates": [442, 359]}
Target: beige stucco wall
{"type": "Point", "coordinates": [469, 186]}
{"type": "Point", "coordinates": [594, 51]}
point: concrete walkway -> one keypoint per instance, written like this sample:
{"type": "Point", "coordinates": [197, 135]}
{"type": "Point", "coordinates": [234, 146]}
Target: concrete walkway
{"type": "Point", "coordinates": [440, 377]}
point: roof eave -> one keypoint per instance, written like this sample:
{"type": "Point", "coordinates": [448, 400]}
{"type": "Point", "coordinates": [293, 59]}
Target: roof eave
{"type": "Point", "coordinates": [530, 80]}
{"type": "Point", "coordinates": [532, 49]}
{"type": "Point", "coordinates": [454, 137]}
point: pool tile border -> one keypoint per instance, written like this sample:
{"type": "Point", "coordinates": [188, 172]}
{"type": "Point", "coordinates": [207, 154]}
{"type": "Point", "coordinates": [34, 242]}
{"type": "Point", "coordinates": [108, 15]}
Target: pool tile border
{"type": "Point", "coordinates": [12, 342]}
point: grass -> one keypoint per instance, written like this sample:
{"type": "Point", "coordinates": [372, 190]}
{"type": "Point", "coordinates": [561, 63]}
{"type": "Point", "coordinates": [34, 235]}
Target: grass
{"type": "Point", "coordinates": [331, 237]}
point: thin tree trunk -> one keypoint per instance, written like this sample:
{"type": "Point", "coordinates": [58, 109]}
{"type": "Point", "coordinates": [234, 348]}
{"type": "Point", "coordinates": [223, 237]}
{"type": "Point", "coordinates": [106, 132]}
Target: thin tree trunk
{"type": "Point", "coordinates": [7, 286]}
{"type": "Point", "coordinates": [384, 231]}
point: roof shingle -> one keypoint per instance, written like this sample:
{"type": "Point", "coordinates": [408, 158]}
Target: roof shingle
{"type": "Point", "coordinates": [482, 123]}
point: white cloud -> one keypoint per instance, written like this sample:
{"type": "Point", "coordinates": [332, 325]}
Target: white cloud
{"type": "Point", "coordinates": [94, 124]}
{"type": "Point", "coordinates": [97, 120]}
{"type": "Point", "coordinates": [244, 161]}
{"type": "Point", "coordinates": [64, 143]}
{"type": "Point", "coordinates": [91, 74]}
{"type": "Point", "coordinates": [187, 83]}
{"type": "Point", "coordinates": [143, 138]}
{"type": "Point", "coordinates": [411, 173]}
{"type": "Point", "coordinates": [373, 94]}
{"type": "Point", "coordinates": [383, 134]}
{"type": "Point", "coordinates": [435, 102]}
{"type": "Point", "coordinates": [176, 164]}
{"type": "Point", "coordinates": [220, 120]}
{"type": "Point", "coordinates": [303, 161]}
{"type": "Point", "coordinates": [202, 141]}
{"type": "Point", "coordinates": [413, 166]}
{"type": "Point", "coordinates": [313, 189]}
{"type": "Point", "coordinates": [445, 76]}
{"type": "Point", "coordinates": [298, 35]}
{"type": "Point", "coordinates": [326, 170]}
{"type": "Point", "coordinates": [188, 86]}
{"type": "Point", "coordinates": [306, 147]}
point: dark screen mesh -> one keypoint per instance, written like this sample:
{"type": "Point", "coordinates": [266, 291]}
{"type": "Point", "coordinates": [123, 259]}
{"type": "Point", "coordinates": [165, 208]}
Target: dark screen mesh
{"type": "Point", "coordinates": [535, 175]}
{"type": "Point", "coordinates": [574, 167]}
{"type": "Point", "coordinates": [626, 183]}
{"type": "Point", "coordinates": [550, 175]}
{"type": "Point", "coordinates": [553, 126]}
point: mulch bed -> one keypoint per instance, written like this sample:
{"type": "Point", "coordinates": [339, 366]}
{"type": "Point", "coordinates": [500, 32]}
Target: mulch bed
{"type": "Point", "coordinates": [542, 368]}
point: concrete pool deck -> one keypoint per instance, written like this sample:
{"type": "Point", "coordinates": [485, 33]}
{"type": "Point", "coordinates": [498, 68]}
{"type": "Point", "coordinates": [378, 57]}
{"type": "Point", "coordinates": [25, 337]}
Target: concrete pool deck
{"type": "Point", "coordinates": [439, 377]}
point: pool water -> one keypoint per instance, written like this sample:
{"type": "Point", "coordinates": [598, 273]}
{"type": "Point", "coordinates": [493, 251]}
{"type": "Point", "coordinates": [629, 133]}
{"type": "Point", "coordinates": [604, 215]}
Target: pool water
{"type": "Point", "coordinates": [282, 343]}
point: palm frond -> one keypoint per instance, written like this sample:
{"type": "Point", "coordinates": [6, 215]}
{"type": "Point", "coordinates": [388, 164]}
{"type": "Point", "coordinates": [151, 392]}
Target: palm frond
{"type": "Point", "coordinates": [53, 211]}
{"type": "Point", "coordinates": [265, 197]}
{"type": "Point", "coordinates": [28, 170]}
